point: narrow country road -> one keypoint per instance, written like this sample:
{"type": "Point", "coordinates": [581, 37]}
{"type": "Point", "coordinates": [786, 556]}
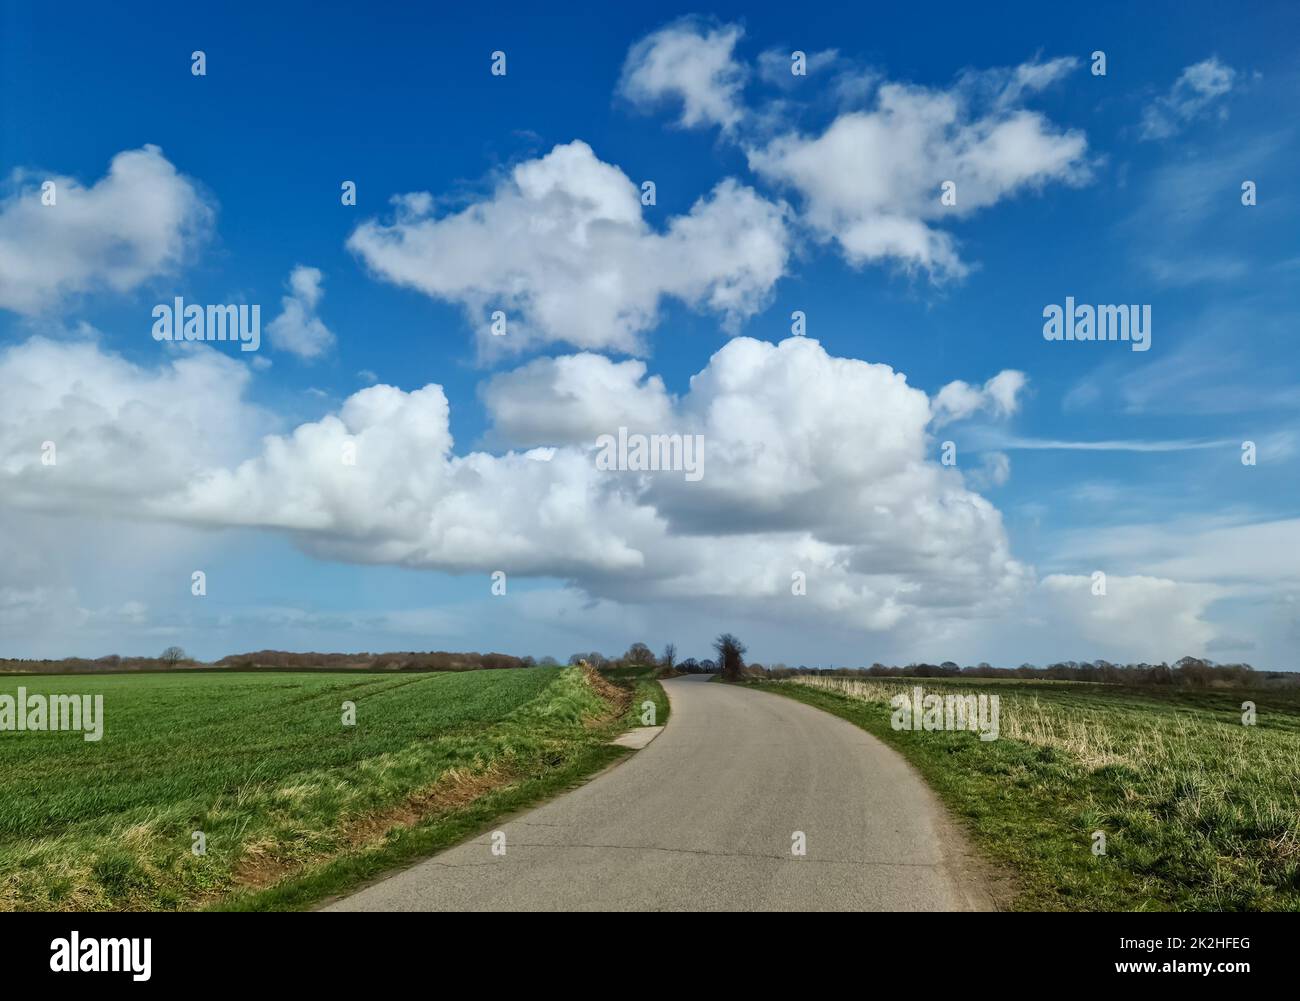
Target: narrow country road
{"type": "Point", "coordinates": [704, 818]}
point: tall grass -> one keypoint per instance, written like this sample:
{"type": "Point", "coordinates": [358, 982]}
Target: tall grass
{"type": "Point", "coordinates": [1199, 810]}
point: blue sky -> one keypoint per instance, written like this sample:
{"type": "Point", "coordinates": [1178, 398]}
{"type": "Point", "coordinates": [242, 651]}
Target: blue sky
{"type": "Point", "coordinates": [1122, 188]}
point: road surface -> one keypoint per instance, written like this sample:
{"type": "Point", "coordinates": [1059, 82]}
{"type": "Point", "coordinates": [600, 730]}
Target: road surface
{"type": "Point", "coordinates": [705, 818]}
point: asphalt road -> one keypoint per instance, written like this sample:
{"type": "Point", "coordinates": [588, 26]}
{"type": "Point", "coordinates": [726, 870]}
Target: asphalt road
{"type": "Point", "coordinates": [704, 818]}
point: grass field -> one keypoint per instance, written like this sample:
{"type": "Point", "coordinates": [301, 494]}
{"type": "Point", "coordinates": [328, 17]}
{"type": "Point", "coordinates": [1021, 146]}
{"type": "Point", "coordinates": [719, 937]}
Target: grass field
{"type": "Point", "coordinates": [293, 805]}
{"type": "Point", "coordinates": [1199, 811]}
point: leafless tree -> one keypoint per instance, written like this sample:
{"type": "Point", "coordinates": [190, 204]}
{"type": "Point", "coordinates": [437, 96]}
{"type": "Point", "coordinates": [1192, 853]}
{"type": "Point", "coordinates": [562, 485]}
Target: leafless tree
{"type": "Point", "coordinates": [639, 653]}
{"type": "Point", "coordinates": [731, 656]}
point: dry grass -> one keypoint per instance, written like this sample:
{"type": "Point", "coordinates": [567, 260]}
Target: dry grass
{"type": "Point", "coordinates": [1200, 811]}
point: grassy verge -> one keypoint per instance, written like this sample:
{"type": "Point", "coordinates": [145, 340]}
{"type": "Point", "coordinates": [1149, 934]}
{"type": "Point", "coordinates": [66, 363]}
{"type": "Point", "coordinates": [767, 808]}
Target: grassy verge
{"type": "Point", "coordinates": [644, 688]}
{"type": "Point", "coordinates": [292, 804]}
{"type": "Point", "coordinates": [1199, 812]}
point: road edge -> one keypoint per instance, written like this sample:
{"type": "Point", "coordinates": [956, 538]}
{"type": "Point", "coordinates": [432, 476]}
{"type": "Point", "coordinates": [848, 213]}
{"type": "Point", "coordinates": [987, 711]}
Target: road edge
{"type": "Point", "coordinates": [404, 848]}
{"type": "Point", "coordinates": [992, 888]}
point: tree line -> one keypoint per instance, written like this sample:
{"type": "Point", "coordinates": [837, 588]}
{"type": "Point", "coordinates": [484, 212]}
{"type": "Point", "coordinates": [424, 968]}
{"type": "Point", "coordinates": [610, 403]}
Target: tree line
{"type": "Point", "coordinates": [1188, 672]}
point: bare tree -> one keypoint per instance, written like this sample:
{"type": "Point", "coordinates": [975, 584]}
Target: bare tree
{"type": "Point", "coordinates": [639, 653]}
{"type": "Point", "coordinates": [731, 656]}
{"type": "Point", "coordinates": [669, 659]}
{"type": "Point", "coordinates": [172, 656]}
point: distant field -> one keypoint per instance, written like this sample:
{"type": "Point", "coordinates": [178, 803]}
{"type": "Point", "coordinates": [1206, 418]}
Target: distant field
{"type": "Point", "coordinates": [1199, 811]}
{"type": "Point", "coordinates": [293, 804]}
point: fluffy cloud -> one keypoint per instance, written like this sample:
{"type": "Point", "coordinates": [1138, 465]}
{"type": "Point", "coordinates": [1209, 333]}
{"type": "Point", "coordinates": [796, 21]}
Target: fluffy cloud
{"type": "Point", "coordinates": [562, 248]}
{"type": "Point", "coordinates": [138, 221]}
{"type": "Point", "coordinates": [691, 63]}
{"type": "Point", "coordinates": [1138, 618]}
{"type": "Point", "coordinates": [298, 329]}
{"type": "Point", "coordinates": [122, 435]}
{"type": "Point", "coordinates": [814, 464]}
{"type": "Point", "coordinates": [999, 396]}
{"type": "Point", "coordinates": [871, 182]}
{"type": "Point", "coordinates": [574, 399]}
{"type": "Point", "coordinates": [1197, 87]}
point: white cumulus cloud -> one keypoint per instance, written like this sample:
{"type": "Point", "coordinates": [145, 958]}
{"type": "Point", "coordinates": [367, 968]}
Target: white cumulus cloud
{"type": "Point", "coordinates": [871, 181]}
{"type": "Point", "coordinates": [999, 396]}
{"type": "Point", "coordinates": [814, 465]}
{"type": "Point", "coordinates": [574, 399]}
{"type": "Point", "coordinates": [691, 63]}
{"type": "Point", "coordinates": [298, 329]}
{"type": "Point", "coordinates": [562, 248]}
{"type": "Point", "coordinates": [1138, 618]}
{"type": "Point", "coordinates": [137, 222]}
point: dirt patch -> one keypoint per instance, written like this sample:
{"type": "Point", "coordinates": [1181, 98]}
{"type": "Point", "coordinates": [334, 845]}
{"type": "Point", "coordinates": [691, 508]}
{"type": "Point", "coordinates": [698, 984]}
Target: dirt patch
{"type": "Point", "coordinates": [257, 868]}
{"type": "Point", "coordinates": [456, 788]}
{"type": "Point", "coordinates": [617, 696]}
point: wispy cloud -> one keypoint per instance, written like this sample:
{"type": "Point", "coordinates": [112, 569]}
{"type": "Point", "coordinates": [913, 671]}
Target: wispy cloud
{"type": "Point", "coordinates": [1197, 88]}
{"type": "Point", "coordinates": [1116, 445]}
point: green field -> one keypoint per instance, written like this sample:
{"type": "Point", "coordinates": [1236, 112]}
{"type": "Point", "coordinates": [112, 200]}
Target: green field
{"type": "Point", "coordinates": [293, 804]}
{"type": "Point", "coordinates": [1199, 812]}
